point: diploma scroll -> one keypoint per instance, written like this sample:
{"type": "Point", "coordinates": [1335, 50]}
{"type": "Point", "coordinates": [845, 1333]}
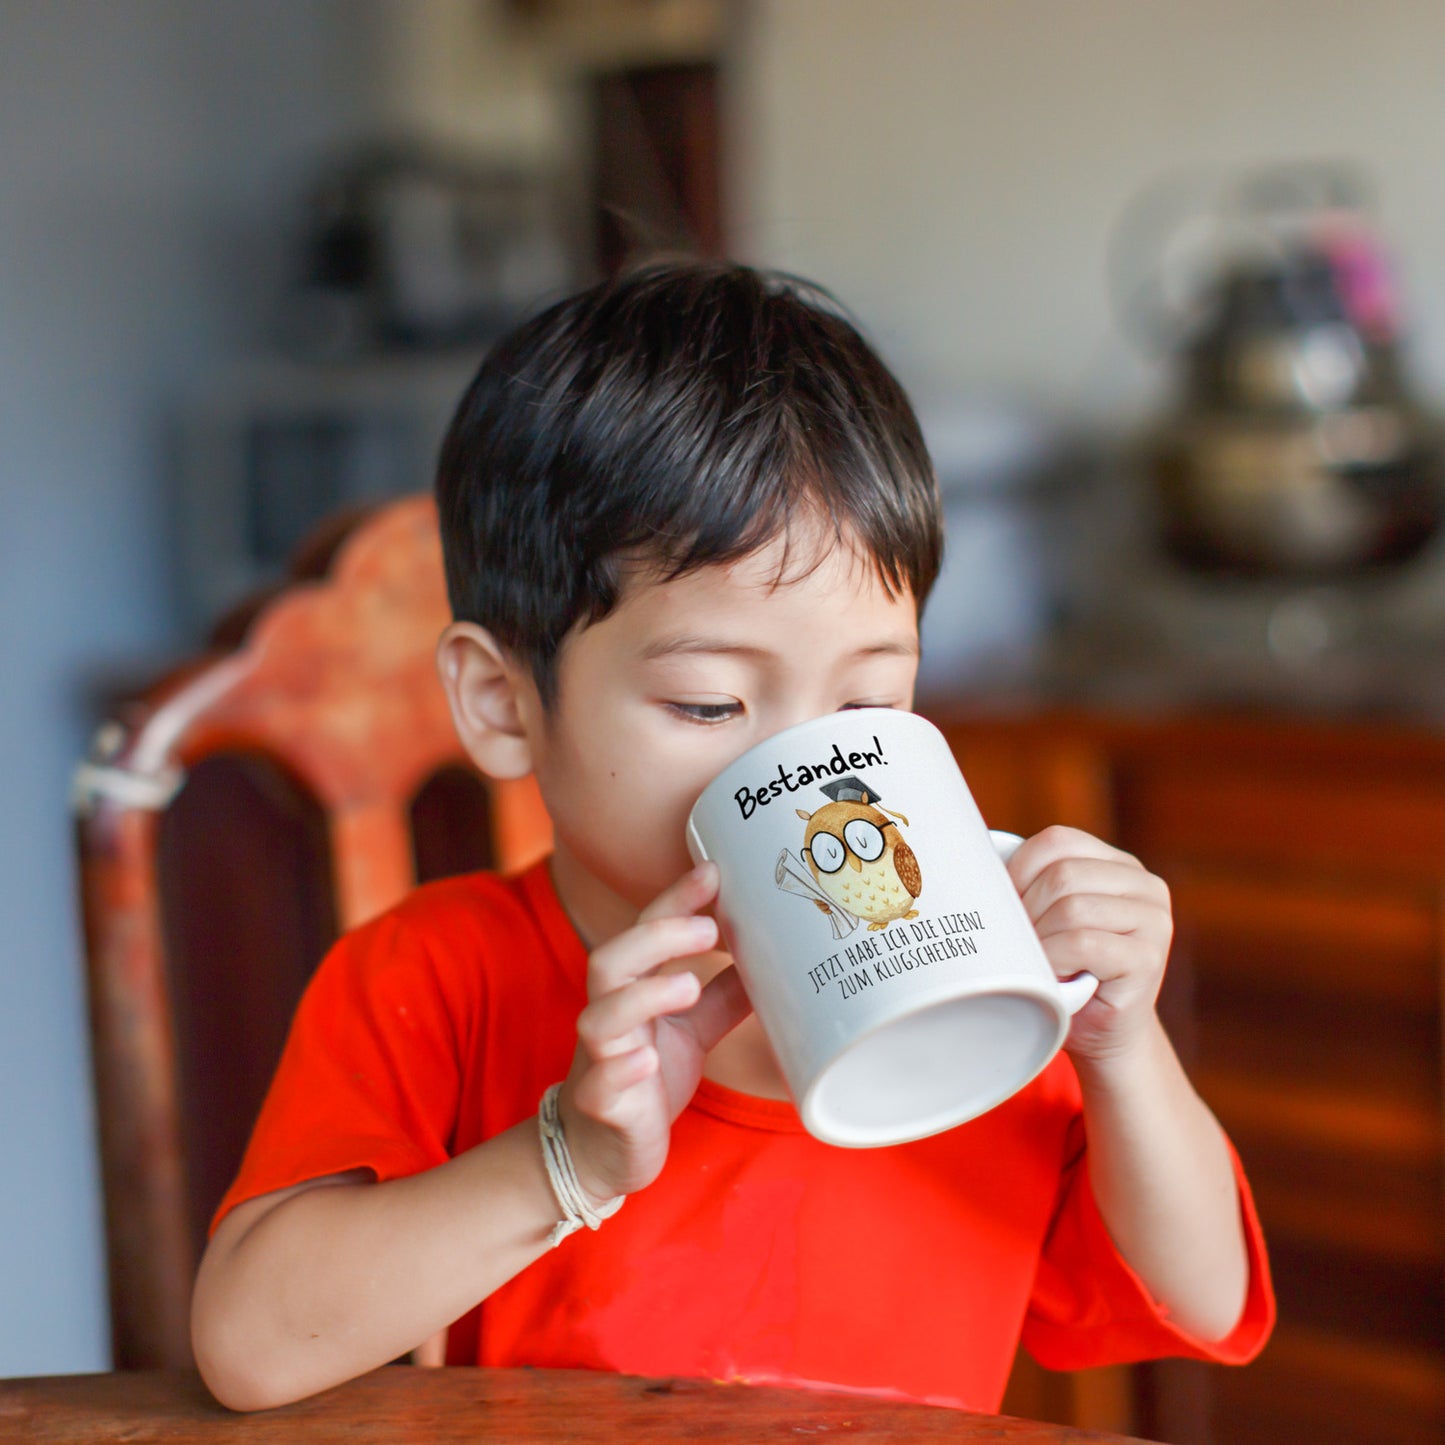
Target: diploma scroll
{"type": "Point", "coordinates": [791, 875]}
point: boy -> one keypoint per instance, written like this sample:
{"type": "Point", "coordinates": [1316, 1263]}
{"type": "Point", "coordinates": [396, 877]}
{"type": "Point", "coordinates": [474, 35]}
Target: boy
{"type": "Point", "coordinates": [682, 511]}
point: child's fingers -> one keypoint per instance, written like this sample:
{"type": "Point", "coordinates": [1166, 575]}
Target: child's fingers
{"type": "Point", "coordinates": [1106, 955]}
{"type": "Point", "coordinates": [598, 1092]}
{"type": "Point", "coordinates": [1074, 876]}
{"type": "Point", "coordinates": [723, 1005]}
{"type": "Point", "coordinates": [646, 946]}
{"type": "Point", "coordinates": [614, 1023]}
{"type": "Point", "coordinates": [1104, 912]}
{"type": "Point", "coordinates": [695, 889]}
{"type": "Point", "coordinates": [668, 928]}
{"type": "Point", "coordinates": [1055, 845]}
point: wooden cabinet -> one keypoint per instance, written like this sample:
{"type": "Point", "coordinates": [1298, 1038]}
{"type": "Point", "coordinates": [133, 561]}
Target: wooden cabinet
{"type": "Point", "coordinates": [1307, 866]}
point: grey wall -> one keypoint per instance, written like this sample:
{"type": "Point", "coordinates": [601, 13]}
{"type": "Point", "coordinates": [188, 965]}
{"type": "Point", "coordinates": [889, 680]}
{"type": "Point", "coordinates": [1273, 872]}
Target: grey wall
{"type": "Point", "coordinates": [954, 168]}
{"type": "Point", "coordinates": [147, 150]}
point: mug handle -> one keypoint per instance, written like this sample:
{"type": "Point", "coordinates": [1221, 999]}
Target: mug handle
{"type": "Point", "coordinates": [1079, 989]}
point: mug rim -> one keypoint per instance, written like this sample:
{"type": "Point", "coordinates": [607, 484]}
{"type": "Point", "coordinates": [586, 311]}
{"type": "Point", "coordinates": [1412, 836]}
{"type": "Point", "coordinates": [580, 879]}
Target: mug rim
{"type": "Point", "coordinates": [1021, 987]}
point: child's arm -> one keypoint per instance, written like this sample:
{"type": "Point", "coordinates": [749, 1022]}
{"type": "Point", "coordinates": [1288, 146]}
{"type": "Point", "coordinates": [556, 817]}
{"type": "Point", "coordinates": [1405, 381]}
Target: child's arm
{"type": "Point", "coordinates": [304, 1288]}
{"type": "Point", "coordinates": [1158, 1161]}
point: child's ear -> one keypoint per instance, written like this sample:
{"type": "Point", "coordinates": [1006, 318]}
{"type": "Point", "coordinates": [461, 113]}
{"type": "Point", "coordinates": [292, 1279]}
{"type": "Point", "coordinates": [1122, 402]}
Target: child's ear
{"type": "Point", "coordinates": [492, 699]}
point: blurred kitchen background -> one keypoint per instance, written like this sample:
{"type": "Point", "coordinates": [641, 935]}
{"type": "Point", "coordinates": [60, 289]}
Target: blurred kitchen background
{"type": "Point", "coordinates": [1167, 282]}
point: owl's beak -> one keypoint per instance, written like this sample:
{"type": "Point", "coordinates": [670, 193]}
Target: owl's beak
{"type": "Point", "coordinates": [855, 862]}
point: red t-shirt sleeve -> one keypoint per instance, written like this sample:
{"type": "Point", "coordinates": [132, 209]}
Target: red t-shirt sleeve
{"type": "Point", "coordinates": [370, 1077]}
{"type": "Point", "coordinates": [1090, 1308]}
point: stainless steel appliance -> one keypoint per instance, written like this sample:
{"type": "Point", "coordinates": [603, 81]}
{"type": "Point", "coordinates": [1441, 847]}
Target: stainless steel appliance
{"type": "Point", "coordinates": [1290, 498]}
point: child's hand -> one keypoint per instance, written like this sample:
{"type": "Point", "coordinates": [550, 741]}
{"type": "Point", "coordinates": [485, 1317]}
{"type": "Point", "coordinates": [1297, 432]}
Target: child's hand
{"type": "Point", "coordinates": [1097, 908]}
{"type": "Point", "coordinates": [642, 1039]}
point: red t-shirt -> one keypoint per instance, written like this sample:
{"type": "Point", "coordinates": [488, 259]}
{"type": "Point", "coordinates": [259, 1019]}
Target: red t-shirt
{"type": "Point", "coordinates": [759, 1253]}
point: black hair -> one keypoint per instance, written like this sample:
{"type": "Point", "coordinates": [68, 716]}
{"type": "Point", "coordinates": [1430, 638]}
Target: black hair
{"type": "Point", "coordinates": [678, 415]}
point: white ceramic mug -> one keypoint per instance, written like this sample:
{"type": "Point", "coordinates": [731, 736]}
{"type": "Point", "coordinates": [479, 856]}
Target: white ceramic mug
{"type": "Point", "coordinates": [878, 933]}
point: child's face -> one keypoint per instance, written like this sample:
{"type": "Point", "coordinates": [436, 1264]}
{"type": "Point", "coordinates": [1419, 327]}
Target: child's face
{"type": "Point", "coordinates": [684, 676]}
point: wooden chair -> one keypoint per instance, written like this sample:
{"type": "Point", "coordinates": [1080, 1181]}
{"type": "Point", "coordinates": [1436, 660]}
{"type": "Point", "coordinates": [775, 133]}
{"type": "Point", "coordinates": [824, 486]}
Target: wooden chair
{"type": "Point", "coordinates": [231, 821]}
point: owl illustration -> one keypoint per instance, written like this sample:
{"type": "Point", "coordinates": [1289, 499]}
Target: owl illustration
{"type": "Point", "coordinates": [858, 856]}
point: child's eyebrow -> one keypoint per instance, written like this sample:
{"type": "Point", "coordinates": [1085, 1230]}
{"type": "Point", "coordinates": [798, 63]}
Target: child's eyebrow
{"type": "Point", "coordinates": [693, 644]}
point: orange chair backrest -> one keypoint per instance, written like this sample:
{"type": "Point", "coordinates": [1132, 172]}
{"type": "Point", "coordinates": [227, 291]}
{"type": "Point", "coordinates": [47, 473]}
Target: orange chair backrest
{"type": "Point", "coordinates": [230, 822]}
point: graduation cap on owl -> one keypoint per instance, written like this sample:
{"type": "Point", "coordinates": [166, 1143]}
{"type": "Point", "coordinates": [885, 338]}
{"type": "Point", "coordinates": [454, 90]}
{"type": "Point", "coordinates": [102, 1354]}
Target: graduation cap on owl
{"type": "Point", "coordinates": [850, 790]}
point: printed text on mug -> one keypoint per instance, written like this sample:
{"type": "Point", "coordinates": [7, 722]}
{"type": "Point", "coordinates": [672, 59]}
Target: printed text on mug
{"type": "Point", "coordinates": [801, 774]}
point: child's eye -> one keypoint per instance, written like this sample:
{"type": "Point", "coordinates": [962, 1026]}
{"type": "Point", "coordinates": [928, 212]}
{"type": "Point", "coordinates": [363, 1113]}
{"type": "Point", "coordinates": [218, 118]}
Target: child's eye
{"type": "Point", "coordinates": [706, 712]}
{"type": "Point", "coordinates": [854, 706]}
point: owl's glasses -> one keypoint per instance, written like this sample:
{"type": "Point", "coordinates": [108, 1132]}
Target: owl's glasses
{"type": "Point", "coordinates": [860, 836]}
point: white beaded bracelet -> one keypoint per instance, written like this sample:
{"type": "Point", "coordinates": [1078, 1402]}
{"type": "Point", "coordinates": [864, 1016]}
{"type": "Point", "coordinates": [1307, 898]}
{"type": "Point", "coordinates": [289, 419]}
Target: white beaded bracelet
{"type": "Point", "coordinates": [577, 1210]}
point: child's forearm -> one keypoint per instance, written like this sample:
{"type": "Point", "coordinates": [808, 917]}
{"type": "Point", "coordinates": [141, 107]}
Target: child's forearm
{"type": "Point", "coordinates": [1165, 1186]}
{"type": "Point", "coordinates": [327, 1283]}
